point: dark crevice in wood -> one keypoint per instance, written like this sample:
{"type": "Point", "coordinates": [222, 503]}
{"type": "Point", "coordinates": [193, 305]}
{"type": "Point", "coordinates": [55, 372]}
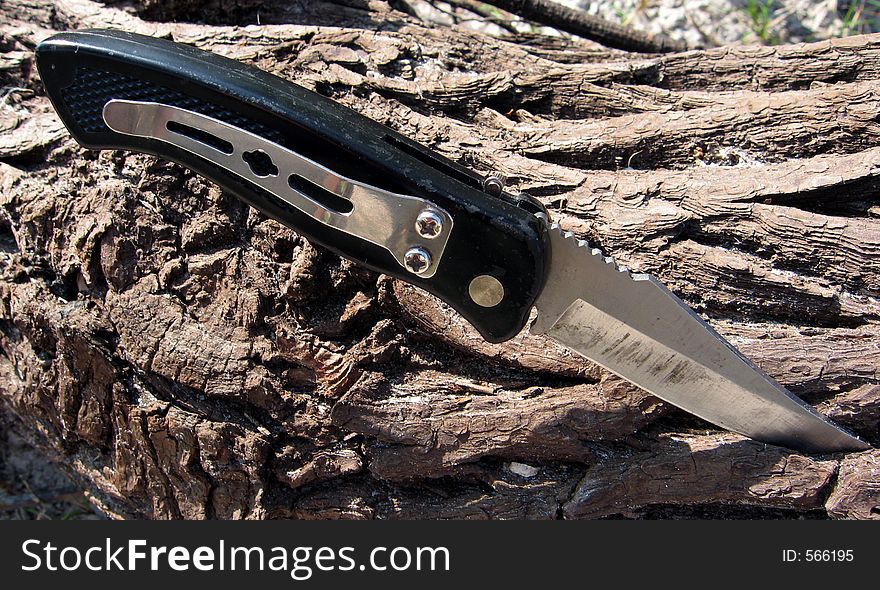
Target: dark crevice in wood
{"type": "Point", "coordinates": [722, 512]}
{"type": "Point", "coordinates": [853, 198]}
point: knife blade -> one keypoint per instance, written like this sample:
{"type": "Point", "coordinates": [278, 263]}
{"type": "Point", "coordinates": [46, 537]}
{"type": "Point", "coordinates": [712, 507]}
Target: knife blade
{"type": "Point", "coordinates": [371, 195]}
{"type": "Point", "coordinates": [636, 328]}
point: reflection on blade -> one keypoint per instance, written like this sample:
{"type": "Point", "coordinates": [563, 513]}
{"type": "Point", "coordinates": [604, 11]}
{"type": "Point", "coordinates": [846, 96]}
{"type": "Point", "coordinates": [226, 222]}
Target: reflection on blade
{"type": "Point", "coordinates": [636, 328]}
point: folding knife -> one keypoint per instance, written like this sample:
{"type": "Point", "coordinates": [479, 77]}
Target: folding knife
{"type": "Point", "coordinates": [383, 201]}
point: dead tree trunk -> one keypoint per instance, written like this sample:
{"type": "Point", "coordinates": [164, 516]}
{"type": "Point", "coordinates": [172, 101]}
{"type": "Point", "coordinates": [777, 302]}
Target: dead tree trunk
{"type": "Point", "coordinates": [183, 357]}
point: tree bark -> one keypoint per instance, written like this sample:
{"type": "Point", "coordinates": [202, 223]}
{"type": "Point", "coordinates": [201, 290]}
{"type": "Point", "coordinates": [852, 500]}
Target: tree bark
{"type": "Point", "coordinates": [183, 357]}
{"type": "Point", "coordinates": [578, 22]}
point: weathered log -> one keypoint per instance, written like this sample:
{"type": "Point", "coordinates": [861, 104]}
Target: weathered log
{"type": "Point", "coordinates": [183, 357]}
{"type": "Point", "coordinates": [547, 12]}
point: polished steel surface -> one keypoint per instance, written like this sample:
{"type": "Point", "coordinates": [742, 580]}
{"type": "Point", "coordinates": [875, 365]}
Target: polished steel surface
{"type": "Point", "coordinates": [418, 261]}
{"type": "Point", "coordinates": [634, 327]}
{"type": "Point", "coordinates": [381, 217]}
{"type": "Point", "coordinates": [429, 224]}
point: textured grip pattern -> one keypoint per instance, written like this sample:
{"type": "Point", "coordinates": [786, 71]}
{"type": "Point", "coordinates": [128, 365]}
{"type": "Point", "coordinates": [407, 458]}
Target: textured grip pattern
{"type": "Point", "coordinates": [83, 71]}
{"type": "Point", "coordinates": [92, 89]}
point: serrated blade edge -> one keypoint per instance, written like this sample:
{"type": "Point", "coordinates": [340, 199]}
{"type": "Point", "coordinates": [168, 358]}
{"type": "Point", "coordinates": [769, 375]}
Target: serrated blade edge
{"type": "Point", "coordinates": [636, 328]}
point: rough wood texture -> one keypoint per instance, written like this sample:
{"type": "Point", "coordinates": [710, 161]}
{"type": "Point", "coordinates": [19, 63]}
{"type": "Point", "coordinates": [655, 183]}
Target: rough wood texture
{"type": "Point", "coordinates": [183, 357]}
{"type": "Point", "coordinates": [580, 23]}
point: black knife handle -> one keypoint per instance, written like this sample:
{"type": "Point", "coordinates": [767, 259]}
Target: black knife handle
{"type": "Point", "coordinates": [490, 236]}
